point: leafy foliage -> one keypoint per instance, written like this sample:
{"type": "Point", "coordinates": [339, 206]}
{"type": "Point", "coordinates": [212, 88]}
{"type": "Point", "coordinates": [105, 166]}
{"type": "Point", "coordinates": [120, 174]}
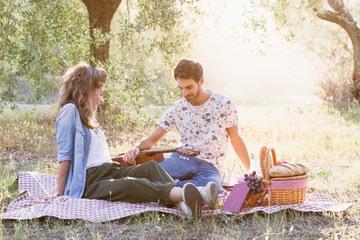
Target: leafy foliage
{"type": "Point", "coordinates": [39, 40]}
{"type": "Point", "coordinates": [148, 37]}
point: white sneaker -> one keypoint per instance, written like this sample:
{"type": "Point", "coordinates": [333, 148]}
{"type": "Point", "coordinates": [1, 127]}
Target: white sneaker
{"type": "Point", "coordinates": [185, 209]}
{"type": "Point", "coordinates": [209, 194]}
{"type": "Point", "coordinates": [193, 201]}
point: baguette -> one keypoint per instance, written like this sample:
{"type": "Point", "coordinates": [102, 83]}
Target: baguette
{"type": "Point", "coordinates": [288, 170]}
{"type": "Point", "coordinates": [263, 150]}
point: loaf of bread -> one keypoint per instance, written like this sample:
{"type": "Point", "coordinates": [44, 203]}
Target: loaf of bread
{"type": "Point", "coordinates": [288, 170]}
{"type": "Point", "coordinates": [263, 150]}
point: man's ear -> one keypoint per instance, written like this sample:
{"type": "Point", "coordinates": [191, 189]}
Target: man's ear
{"type": "Point", "coordinates": [201, 82]}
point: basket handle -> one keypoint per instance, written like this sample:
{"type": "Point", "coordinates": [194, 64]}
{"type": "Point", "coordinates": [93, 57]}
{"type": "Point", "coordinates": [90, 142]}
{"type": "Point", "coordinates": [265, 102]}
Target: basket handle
{"type": "Point", "coordinates": [270, 161]}
{"type": "Point", "coordinates": [274, 157]}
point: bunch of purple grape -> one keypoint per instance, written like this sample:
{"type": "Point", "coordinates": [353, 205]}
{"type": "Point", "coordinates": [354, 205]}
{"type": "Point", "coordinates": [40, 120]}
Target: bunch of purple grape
{"type": "Point", "coordinates": [253, 182]}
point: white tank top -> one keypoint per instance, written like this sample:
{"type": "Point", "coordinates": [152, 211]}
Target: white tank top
{"type": "Point", "coordinates": [99, 150]}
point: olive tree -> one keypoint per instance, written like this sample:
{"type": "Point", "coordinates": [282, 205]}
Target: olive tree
{"type": "Point", "coordinates": [340, 15]}
{"type": "Point", "coordinates": [37, 41]}
{"type": "Point", "coordinates": [165, 15]}
{"type": "Point", "coordinates": [136, 41]}
{"type": "Point", "coordinates": [300, 17]}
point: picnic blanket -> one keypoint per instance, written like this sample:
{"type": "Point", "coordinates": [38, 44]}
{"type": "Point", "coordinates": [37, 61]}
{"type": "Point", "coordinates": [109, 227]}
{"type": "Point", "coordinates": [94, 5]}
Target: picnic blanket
{"type": "Point", "coordinates": [32, 185]}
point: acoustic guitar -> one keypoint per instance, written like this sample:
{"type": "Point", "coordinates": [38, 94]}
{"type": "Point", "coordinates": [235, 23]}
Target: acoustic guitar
{"type": "Point", "coordinates": [155, 154]}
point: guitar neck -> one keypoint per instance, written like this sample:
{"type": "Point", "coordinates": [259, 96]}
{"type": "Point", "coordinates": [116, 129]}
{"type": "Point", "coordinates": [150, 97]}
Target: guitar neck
{"type": "Point", "coordinates": [164, 150]}
{"type": "Point", "coordinates": [152, 151]}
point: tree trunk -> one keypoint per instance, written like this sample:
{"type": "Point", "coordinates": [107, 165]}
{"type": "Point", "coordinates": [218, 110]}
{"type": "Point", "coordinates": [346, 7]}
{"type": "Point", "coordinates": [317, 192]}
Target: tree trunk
{"type": "Point", "coordinates": [343, 18]}
{"type": "Point", "coordinates": [100, 13]}
{"type": "Point", "coordinates": [356, 74]}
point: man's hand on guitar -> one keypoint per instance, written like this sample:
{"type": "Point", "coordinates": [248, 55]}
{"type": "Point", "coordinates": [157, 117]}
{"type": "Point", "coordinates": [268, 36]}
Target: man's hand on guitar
{"type": "Point", "coordinates": [129, 156]}
{"type": "Point", "coordinates": [135, 156]}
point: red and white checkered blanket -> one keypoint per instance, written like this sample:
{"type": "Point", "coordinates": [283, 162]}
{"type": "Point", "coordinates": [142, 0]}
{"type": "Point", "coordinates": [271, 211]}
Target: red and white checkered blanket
{"type": "Point", "coordinates": [34, 184]}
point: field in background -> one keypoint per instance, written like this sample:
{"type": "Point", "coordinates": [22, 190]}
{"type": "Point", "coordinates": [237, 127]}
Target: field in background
{"type": "Point", "coordinates": [324, 138]}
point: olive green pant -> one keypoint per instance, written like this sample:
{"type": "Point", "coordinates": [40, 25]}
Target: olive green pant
{"type": "Point", "coordinates": [146, 182]}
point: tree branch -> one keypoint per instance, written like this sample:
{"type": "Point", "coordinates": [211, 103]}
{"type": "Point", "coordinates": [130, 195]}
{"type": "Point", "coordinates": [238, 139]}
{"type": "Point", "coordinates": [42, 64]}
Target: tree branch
{"type": "Point", "coordinates": [337, 18]}
{"type": "Point", "coordinates": [339, 6]}
{"type": "Point", "coordinates": [330, 16]}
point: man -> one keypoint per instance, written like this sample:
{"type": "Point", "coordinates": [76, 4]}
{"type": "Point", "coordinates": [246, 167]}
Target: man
{"type": "Point", "coordinates": [205, 121]}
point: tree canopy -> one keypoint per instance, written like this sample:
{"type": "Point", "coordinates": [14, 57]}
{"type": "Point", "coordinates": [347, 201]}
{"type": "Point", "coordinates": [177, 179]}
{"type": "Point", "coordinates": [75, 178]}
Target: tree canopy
{"type": "Point", "coordinates": [39, 40]}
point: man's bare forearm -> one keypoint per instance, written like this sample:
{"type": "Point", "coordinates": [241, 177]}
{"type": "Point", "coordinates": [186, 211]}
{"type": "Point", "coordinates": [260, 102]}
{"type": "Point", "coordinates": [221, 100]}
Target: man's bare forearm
{"type": "Point", "coordinates": [241, 151]}
{"type": "Point", "coordinates": [143, 144]}
{"type": "Point", "coordinates": [239, 146]}
{"type": "Point", "coordinates": [151, 140]}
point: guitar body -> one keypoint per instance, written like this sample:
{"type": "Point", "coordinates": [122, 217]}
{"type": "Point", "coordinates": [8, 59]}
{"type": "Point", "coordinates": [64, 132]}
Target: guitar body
{"type": "Point", "coordinates": [155, 154]}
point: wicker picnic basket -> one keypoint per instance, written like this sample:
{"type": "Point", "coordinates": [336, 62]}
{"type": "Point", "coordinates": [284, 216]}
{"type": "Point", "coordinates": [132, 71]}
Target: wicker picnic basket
{"type": "Point", "coordinates": [279, 196]}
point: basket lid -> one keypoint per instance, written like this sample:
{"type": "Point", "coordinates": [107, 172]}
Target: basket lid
{"type": "Point", "coordinates": [290, 178]}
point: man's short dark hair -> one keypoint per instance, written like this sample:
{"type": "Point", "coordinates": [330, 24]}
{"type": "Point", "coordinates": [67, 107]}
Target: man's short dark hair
{"type": "Point", "coordinates": [188, 69]}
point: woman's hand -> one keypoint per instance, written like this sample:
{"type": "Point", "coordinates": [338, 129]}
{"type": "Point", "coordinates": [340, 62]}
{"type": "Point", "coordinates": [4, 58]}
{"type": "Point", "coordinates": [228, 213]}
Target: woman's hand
{"type": "Point", "coordinates": [129, 156]}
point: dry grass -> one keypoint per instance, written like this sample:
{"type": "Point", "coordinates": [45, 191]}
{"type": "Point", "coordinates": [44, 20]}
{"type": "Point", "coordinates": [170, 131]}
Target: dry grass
{"type": "Point", "coordinates": [322, 137]}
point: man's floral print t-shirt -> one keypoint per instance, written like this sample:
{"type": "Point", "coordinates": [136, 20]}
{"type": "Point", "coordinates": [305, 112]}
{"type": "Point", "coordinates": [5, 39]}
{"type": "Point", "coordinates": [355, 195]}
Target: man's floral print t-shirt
{"type": "Point", "coordinates": [203, 127]}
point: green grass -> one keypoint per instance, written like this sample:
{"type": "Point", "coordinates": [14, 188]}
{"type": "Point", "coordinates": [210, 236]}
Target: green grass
{"type": "Point", "coordinates": [324, 138]}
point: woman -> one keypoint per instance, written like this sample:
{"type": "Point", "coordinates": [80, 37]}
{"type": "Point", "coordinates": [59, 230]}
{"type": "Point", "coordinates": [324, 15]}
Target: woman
{"type": "Point", "coordinates": [85, 166]}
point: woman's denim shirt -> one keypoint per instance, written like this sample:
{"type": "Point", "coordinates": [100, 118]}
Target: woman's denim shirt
{"type": "Point", "coordinates": [73, 144]}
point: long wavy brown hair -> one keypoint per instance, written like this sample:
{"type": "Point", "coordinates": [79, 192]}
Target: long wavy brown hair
{"type": "Point", "coordinates": [77, 87]}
